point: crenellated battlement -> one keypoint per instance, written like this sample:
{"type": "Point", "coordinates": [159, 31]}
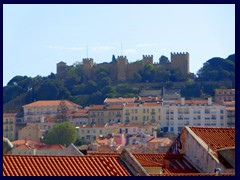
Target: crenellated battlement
{"type": "Point", "coordinates": [180, 53]}
{"type": "Point", "coordinates": [123, 70]}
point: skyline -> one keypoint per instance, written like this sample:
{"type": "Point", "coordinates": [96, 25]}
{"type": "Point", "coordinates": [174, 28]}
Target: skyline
{"type": "Point", "coordinates": [37, 37]}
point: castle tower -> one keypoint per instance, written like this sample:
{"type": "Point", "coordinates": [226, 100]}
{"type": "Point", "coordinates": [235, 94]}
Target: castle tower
{"type": "Point", "coordinates": [122, 64]}
{"type": "Point", "coordinates": [147, 59]}
{"type": "Point", "coordinates": [181, 61]}
{"type": "Point", "coordinates": [87, 66]}
{"type": "Point", "coordinates": [61, 69]}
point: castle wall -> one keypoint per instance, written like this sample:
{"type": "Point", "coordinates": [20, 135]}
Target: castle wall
{"type": "Point", "coordinates": [122, 70]}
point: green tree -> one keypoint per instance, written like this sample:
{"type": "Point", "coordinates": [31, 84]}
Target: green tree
{"type": "Point", "coordinates": [62, 133]}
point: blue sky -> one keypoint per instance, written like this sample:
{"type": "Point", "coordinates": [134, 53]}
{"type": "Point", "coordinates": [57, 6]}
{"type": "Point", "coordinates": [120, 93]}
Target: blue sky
{"type": "Point", "coordinates": [37, 37]}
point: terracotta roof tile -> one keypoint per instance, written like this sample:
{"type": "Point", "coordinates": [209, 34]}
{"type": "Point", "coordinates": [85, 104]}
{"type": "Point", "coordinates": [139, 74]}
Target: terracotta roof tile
{"type": "Point", "coordinates": [9, 114]}
{"type": "Point", "coordinates": [117, 100]}
{"type": "Point", "coordinates": [172, 163]}
{"type": "Point", "coordinates": [21, 141]}
{"type": "Point", "coordinates": [50, 103]}
{"type": "Point", "coordinates": [17, 165]}
{"type": "Point", "coordinates": [230, 108]}
{"type": "Point", "coordinates": [216, 137]}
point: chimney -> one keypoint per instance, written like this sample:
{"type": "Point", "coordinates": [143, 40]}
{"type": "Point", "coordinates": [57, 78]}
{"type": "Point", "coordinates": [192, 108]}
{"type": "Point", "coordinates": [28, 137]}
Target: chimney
{"type": "Point", "coordinates": [182, 101]}
{"type": "Point", "coordinates": [209, 101]}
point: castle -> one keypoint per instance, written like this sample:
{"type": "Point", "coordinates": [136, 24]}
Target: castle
{"type": "Point", "coordinates": [121, 70]}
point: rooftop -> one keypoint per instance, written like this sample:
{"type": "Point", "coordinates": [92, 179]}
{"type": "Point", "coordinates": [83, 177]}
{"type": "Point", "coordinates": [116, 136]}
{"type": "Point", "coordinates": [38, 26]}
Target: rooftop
{"type": "Point", "coordinates": [17, 165]}
{"type": "Point", "coordinates": [49, 103]}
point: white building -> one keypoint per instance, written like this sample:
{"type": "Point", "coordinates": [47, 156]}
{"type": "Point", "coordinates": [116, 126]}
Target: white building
{"type": "Point", "coordinates": [36, 111]}
{"type": "Point", "coordinates": [180, 113]}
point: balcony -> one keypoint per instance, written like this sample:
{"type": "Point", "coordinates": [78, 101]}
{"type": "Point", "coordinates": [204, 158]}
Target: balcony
{"type": "Point", "coordinates": [118, 115]}
{"type": "Point", "coordinates": [127, 113]}
{"type": "Point", "coordinates": [153, 113]}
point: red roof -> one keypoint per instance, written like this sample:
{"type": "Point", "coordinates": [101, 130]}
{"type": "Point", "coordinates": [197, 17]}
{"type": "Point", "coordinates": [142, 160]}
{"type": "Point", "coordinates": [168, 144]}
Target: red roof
{"type": "Point", "coordinates": [19, 165]}
{"type": "Point", "coordinates": [117, 100]}
{"type": "Point", "coordinates": [9, 114]}
{"type": "Point", "coordinates": [50, 103]}
{"type": "Point", "coordinates": [216, 137]}
{"type": "Point", "coordinates": [171, 163]}
{"type": "Point", "coordinates": [21, 141]}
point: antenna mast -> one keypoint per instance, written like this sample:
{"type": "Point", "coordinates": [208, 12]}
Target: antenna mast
{"type": "Point", "coordinates": [87, 51]}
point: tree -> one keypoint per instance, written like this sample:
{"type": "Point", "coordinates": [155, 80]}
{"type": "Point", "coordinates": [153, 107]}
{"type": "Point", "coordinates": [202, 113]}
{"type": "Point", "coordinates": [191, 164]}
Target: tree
{"type": "Point", "coordinates": [163, 60]}
{"type": "Point", "coordinates": [63, 133]}
{"type": "Point", "coordinates": [62, 111]}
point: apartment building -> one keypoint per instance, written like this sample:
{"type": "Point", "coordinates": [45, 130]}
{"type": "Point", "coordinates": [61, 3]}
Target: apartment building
{"type": "Point", "coordinates": [38, 110]}
{"type": "Point", "coordinates": [230, 113]}
{"type": "Point", "coordinates": [223, 95]}
{"type": "Point", "coordinates": [90, 133]}
{"type": "Point", "coordinates": [35, 131]}
{"type": "Point", "coordinates": [78, 116]}
{"type": "Point", "coordinates": [142, 112]}
{"type": "Point", "coordinates": [9, 122]}
{"type": "Point", "coordinates": [102, 114]}
{"type": "Point", "coordinates": [180, 113]}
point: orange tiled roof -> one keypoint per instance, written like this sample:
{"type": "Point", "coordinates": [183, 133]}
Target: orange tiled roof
{"type": "Point", "coordinates": [230, 108]}
{"type": "Point", "coordinates": [113, 100]}
{"type": "Point", "coordinates": [27, 165]}
{"type": "Point", "coordinates": [176, 162]}
{"type": "Point", "coordinates": [216, 137]}
{"type": "Point", "coordinates": [50, 103]}
{"type": "Point", "coordinates": [96, 107]}
{"type": "Point", "coordinates": [21, 141]}
{"type": "Point", "coordinates": [9, 114]}
{"type": "Point", "coordinates": [193, 101]}
{"type": "Point", "coordinates": [143, 104]}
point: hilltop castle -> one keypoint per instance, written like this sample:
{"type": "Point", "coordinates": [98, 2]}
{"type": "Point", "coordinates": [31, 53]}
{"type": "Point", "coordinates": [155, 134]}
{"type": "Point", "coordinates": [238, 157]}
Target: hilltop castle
{"type": "Point", "coordinates": [121, 70]}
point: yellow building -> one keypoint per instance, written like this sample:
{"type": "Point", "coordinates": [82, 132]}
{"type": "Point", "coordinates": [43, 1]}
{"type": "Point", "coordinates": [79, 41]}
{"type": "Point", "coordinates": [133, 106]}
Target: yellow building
{"type": "Point", "coordinates": [102, 114]}
{"type": "Point", "coordinates": [142, 112]}
{"type": "Point", "coordinates": [9, 121]}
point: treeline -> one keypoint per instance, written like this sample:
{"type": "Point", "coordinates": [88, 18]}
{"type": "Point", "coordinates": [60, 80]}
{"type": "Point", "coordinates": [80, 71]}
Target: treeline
{"type": "Point", "coordinates": [76, 87]}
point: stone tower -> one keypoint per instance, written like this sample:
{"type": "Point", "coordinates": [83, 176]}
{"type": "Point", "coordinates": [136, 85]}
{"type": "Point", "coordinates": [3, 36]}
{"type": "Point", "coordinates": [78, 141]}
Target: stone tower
{"type": "Point", "coordinates": [147, 59]}
{"type": "Point", "coordinates": [87, 67]}
{"type": "Point", "coordinates": [181, 61]}
{"type": "Point", "coordinates": [122, 64]}
{"type": "Point", "coordinates": [61, 69]}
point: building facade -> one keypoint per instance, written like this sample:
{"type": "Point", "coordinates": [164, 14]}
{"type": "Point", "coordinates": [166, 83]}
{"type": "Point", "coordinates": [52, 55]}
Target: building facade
{"type": "Point", "coordinates": [9, 123]}
{"type": "Point", "coordinates": [143, 112]}
{"type": "Point", "coordinates": [223, 95]}
{"type": "Point", "coordinates": [39, 110]}
{"type": "Point", "coordinates": [180, 113]}
{"type": "Point", "coordinates": [102, 114]}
